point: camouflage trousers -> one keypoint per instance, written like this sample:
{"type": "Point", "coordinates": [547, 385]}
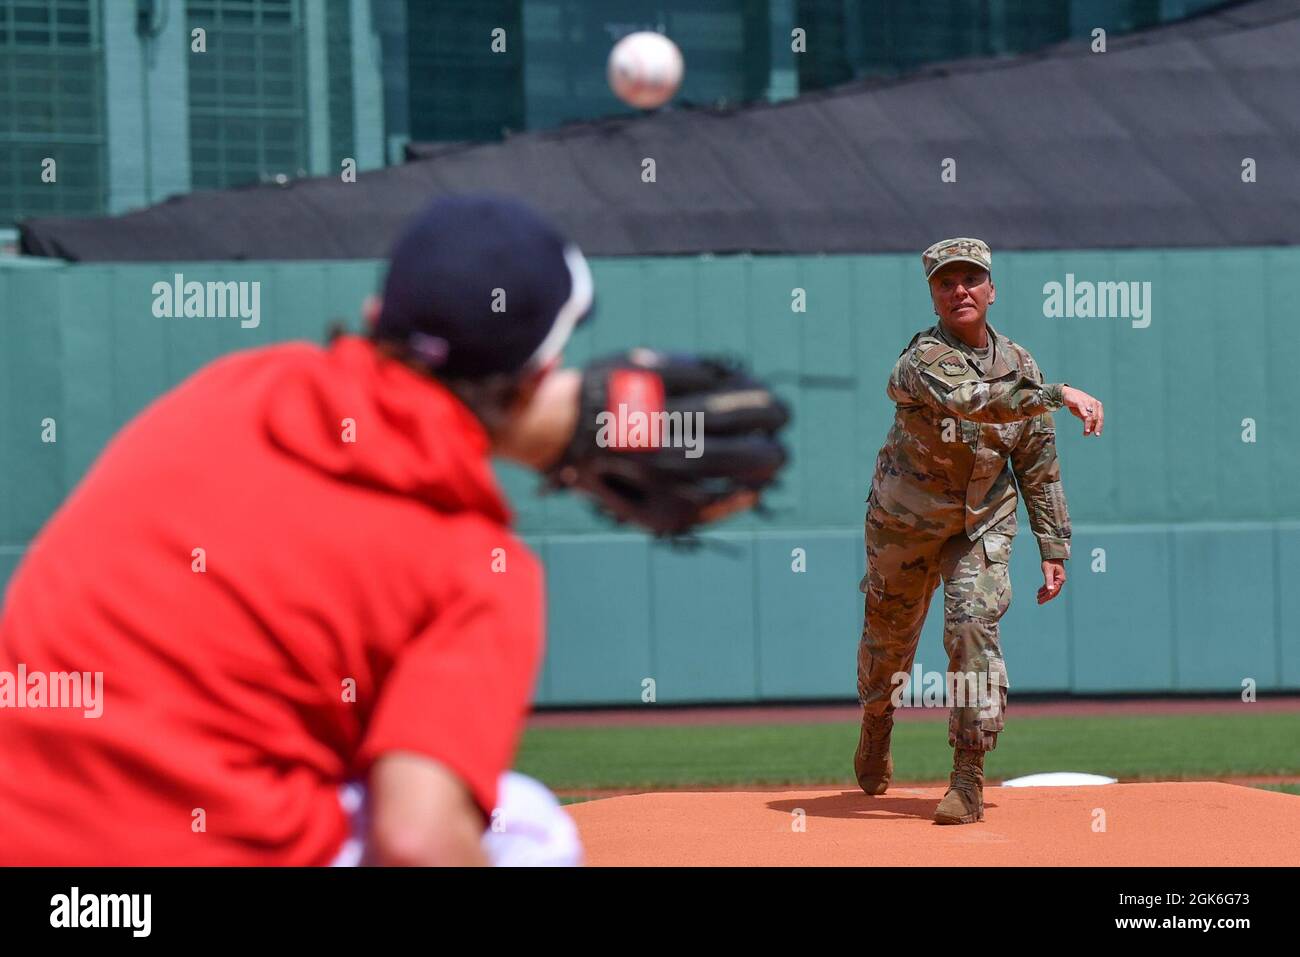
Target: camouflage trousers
{"type": "Point", "coordinates": [905, 563]}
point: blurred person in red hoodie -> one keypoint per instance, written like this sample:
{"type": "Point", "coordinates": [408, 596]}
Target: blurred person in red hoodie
{"type": "Point", "coordinates": [296, 570]}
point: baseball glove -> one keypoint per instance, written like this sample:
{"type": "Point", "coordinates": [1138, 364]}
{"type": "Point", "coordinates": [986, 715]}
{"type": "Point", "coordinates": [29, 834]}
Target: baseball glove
{"type": "Point", "coordinates": [665, 441]}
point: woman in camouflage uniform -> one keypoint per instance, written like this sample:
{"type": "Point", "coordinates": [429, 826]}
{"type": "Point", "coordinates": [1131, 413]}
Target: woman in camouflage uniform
{"type": "Point", "coordinates": [973, 421]}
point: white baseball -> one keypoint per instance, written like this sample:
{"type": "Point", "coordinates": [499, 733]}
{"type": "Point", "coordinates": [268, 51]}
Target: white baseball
{"type": "Point", "coordinates": [645, 69]}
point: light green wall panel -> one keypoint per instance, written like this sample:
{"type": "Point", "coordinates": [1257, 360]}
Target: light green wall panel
{"type": "Point", "coordinates": [703, 616]}
{"type": "Point", "coordinates": [1287, 607]}
{"type": "Point", "coordinates": [809, 622]}
{"type": "Point", "coordinates": [1195, 597]}
{"type": "Point", "coordinates": [599, 619]}
{"type": "Point", "coordinates": [31, 387]}
{"type": "Point", "coordinates": [1035, 638]}
{"type": "Point", "coordinates": [1121, 618]}
{"type": "Point", "coordinates": [1224, 595]}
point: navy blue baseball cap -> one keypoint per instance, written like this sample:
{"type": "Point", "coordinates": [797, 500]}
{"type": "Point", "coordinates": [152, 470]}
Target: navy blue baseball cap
{"type": "Point", "coordinates": [482, 284]}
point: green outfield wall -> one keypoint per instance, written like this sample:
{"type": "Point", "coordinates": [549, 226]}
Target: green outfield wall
{"type": "Point", "coordinates": [1191, 499]}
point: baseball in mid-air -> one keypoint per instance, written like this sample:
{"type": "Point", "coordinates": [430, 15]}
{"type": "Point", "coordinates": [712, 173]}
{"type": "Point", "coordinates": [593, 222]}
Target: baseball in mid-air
{"type": "Point", "coordinates": [645, 69]}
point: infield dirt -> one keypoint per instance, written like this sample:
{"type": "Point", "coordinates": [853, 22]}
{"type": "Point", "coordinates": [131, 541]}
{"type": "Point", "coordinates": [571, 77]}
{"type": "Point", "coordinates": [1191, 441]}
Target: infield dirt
{"type": "Point", "coordinates": [1166, 824]}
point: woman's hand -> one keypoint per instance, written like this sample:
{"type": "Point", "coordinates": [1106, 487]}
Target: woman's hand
{"type": "Point", "coordinates": [1086, 407]}
{"type": "Point", "coordinates": [1053, 579]}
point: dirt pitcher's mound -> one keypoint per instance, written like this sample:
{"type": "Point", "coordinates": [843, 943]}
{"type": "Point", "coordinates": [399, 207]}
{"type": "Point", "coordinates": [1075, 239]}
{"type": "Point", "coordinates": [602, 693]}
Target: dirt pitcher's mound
{"type": "Point", "coordinates": [1117, 824]}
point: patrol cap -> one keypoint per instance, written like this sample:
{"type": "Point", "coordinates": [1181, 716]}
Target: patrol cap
{"type": "Point", "coordinates": [482, 284]}
{"type": "Point", "coordinates": [961, 249]}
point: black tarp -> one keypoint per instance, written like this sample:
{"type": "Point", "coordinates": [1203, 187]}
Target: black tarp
{"type": "Point", "coordinates": [1139, 146]}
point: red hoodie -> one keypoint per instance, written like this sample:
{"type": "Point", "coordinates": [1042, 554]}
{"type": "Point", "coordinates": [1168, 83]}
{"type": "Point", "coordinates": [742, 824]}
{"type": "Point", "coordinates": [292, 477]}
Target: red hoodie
{"type": "Point", "coordinates": [358, 591]}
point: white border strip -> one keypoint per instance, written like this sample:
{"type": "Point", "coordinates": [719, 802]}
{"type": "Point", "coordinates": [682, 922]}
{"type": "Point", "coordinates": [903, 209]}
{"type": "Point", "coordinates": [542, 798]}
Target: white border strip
{"type": "Point", "coordinates": [574, 308]}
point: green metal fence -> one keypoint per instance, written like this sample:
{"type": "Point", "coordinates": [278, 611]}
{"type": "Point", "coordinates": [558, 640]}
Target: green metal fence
{"type": "Point", "coordinates": [1196, 526]}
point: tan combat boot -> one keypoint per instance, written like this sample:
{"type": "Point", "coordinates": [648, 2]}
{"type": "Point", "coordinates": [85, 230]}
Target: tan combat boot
{"type": "Point", "coordinates": [872, 762]}
{"type": "Point", "coordinates": [964, 802]}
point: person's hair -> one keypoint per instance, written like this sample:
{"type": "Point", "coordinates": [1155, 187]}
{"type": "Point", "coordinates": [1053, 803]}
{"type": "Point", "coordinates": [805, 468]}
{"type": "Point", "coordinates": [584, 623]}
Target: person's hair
{"type": "Point", "coordinates": [489, 398]}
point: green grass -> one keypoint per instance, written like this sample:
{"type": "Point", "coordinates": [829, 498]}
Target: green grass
{"type": "Point", "coordinates": [1158, 747]}
{"type": "Point", "coordinates": [1284, 788]}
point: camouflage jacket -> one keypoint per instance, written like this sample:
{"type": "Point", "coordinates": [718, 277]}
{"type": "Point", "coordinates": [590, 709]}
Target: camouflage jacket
{"type": "Point", "coordinates": [959, 437]}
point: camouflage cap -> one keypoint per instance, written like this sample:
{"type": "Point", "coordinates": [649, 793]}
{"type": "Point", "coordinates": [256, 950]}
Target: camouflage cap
{"type": "Point", "coordinates": [961, 249]}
